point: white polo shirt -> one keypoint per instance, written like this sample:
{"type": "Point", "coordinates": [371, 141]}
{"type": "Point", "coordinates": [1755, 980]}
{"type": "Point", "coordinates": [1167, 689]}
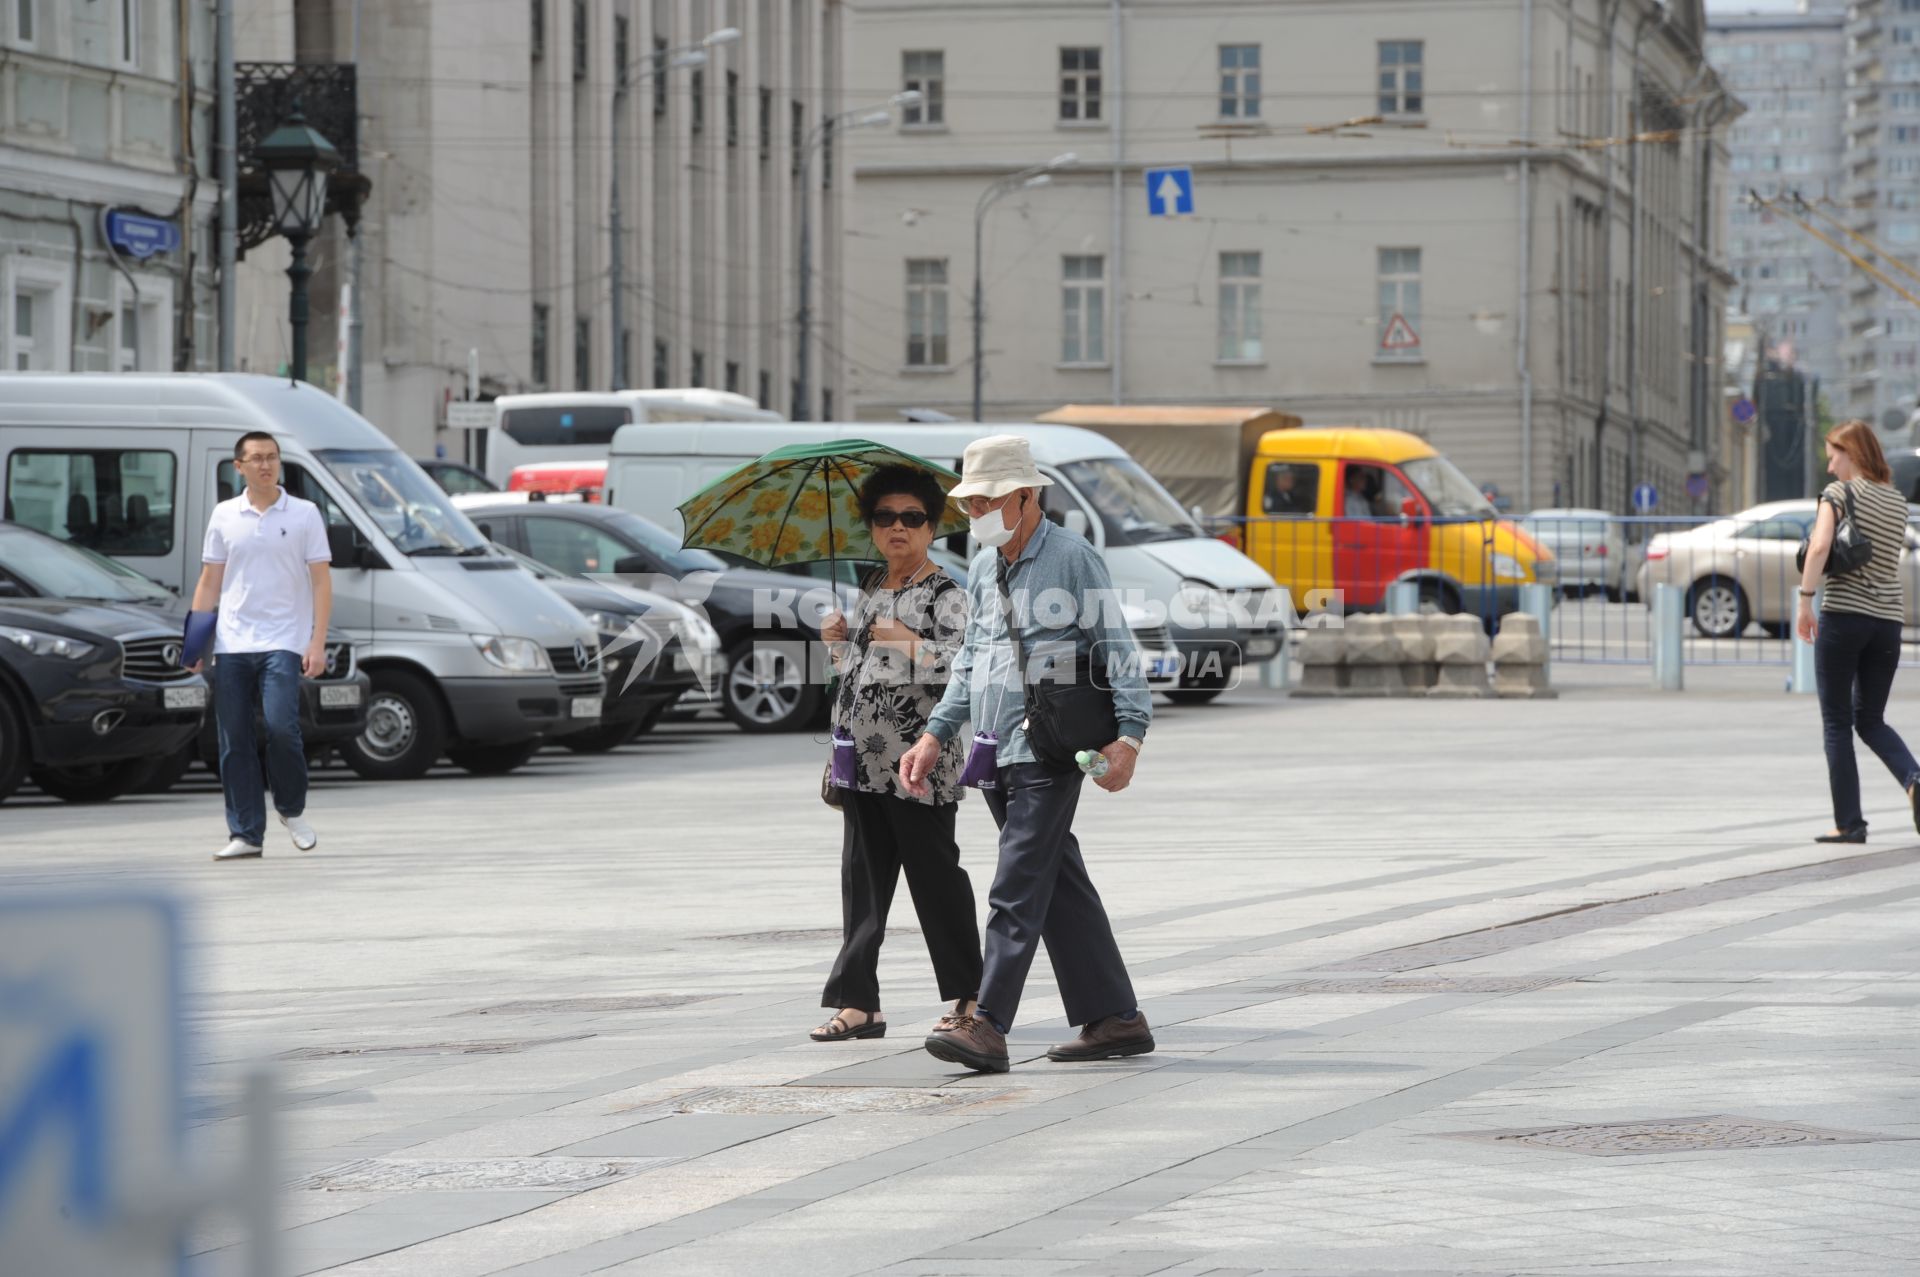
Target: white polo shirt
{"type": "Point", "coordinates": [266, 593]}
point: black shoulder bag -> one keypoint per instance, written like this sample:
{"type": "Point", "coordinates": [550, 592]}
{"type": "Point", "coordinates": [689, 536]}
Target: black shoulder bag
{"type": "Point", "coordinates": [1063, 717]}
{"type": "Point", "coordinates": [1851, 550]}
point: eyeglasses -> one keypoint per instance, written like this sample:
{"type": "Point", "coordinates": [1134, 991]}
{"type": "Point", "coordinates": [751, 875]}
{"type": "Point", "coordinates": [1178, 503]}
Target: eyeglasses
{"type": "Point", "coordinates": [259, 459]}
{"type": "Point", "coordinates": [905, 518]}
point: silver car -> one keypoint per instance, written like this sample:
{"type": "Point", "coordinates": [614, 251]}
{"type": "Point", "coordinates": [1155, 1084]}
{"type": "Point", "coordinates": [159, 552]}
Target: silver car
{"type": "Point", "coordinates": [1589, 546]}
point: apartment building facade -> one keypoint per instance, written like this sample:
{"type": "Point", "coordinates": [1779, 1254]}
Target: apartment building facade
{"type": "Point", "coordinates": [1414, 213]}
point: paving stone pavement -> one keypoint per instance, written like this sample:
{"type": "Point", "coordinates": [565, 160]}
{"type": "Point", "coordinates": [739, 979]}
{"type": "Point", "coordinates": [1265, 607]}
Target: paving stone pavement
{"type": "Point", "coordinates": [554, 1024]}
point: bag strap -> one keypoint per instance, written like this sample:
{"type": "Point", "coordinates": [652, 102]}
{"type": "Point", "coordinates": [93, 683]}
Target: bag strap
{"type": "Point", "coordinates": [1013, 622]}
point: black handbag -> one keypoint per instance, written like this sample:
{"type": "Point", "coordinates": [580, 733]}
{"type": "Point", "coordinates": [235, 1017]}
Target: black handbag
{"type": "Point", "coordinates": [1851, 550]}
{"type": "Point", "coordinates": [1063, 717]}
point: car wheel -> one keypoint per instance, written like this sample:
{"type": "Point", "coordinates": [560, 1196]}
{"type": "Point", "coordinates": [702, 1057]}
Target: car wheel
{"type": "Point", "coordinates": [405, 729]}
{"type": "Point", "coordinates": [13, 748]}
{"type": "Point", "coordinates": [766, 687]}
{"type": "Point", "coordinates": [493, 760]}
{"type": "Point", "coordinates": [1438, 597]}
{"type": "Point", "coordinates": [93, 782]}
{"type": "Point", "coordinates": [601, 739]}
{"type": "Point", "coordinates": [1718, 607]}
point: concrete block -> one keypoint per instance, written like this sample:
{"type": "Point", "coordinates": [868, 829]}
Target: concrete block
{"type": "Point", "coordinates": [1323, 662]}
{"type": "Point", "coordinates": [1529, 681]}
{"type": "Point", "coordinates": [1416, 647]}
{"type": "Point", "coordinates": [1458, 640]}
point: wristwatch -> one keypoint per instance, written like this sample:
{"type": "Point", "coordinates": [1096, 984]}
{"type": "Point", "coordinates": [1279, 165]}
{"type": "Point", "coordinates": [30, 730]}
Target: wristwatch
{"type": "Point", "coordinates": [1132, 742]}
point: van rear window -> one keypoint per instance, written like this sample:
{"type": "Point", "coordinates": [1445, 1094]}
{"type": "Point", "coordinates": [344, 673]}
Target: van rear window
{"type": "Point", "coordinates": [117, 501]}
{"type": "Point", "coordinates": [548, 427]}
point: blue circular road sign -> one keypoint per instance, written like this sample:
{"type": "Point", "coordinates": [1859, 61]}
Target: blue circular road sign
{"type": "Point", "coordinates": [1743, 410]}
{"type": "Point", "coordinates": [1645, 498]}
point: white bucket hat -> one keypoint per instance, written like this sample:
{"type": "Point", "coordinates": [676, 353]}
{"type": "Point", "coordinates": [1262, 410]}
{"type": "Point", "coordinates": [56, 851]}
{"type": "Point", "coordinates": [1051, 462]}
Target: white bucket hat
{"type": "Point", "coordinates": [995, 466]}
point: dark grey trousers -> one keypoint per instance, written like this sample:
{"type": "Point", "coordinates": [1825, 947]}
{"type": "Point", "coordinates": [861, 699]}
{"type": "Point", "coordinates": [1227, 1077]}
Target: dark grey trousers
{"type": "Point", "coordinates": [1041, 892]}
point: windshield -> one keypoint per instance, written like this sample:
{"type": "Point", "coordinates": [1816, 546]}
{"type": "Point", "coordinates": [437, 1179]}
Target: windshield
{"type": "Point", "coordinates": [1450, 493]}
{"type": "Point", "coordinates": [62, 571]}
{"type": "Point", "coordinates": [409, 507]}
{"type": "Point", "coordinates": [664, 545]}
{"type": "Point", "coordinates": [1132, 505]}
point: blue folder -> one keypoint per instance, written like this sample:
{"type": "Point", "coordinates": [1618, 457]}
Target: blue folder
{"type": "Point", "coordinates": [197, 638]}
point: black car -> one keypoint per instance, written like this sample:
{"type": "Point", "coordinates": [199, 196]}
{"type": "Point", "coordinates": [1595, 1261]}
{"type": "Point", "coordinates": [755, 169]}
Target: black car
{"type": "Point", "coordinates": [333, 707]}
{"type": "Point", "coordinates": [91, 699]}
{"type": "Point", "coordinates": [633, 629]}
{"type": "Point", "coordinates": [457, 478]}
{"type": "Point", "coordinates": [768, 622]}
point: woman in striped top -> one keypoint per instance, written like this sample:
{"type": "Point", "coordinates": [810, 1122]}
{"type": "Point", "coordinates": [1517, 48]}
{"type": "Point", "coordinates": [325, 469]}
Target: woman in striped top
{"type": "Point", "coordinates": [1857, 637]}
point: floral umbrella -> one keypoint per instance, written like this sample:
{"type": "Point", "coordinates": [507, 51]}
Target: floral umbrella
{"type": "Point", "coordinates": [801, 503]}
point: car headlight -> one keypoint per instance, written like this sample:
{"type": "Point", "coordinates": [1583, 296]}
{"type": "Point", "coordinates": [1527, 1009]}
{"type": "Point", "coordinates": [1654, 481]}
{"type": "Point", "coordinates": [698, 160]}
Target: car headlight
{"type": "Point", "coordinates": [520, 656]}
{"type": "Point", "coordinates": [1202, 602]}
{"type": "Point", "coordinates": [1507, 567]}
{"type": "Point", "coordinates": [609, 622]}
{"type": "Point", "coordinates": [43, 644]}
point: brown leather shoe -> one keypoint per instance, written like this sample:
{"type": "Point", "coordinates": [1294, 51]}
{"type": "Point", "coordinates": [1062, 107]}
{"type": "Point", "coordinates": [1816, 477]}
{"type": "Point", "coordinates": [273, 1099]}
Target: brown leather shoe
{"type": "Point", "coordinates": [972, 1042]}
{"type": "Point", "coordinates": [1107, 1038]}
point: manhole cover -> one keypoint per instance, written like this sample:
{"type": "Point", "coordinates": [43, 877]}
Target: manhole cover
{"type": "Point", "coordinates": [810, 933]}
{"type": "Point", "coordinates": [388, 1174]}
{"type": "Point", "coordinates": [638, 1002]}
{"type": "Point", "coordinates": [1671, 1135]}
{"type": "Point", "coordinates": [495, 1046]}
{"type": "Point", "coordinates": [1429, 984]}
{"type": "Point", "coordinates": [820, 1099]}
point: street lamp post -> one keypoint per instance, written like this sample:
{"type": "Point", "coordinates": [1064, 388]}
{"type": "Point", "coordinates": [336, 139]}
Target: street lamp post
{"type": "Point", "coordinates": [298, 160]}
{"type": "Point", "coordinates": [1025, 180]}
{"type": "Point", "coordinates": [687, 55]}
{"type": "Point", "coordinates": [864, 117]}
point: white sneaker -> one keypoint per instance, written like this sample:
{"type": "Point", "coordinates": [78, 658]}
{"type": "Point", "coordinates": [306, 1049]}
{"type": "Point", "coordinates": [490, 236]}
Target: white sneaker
{"type": "Point", "coordinates": [237, 849]}
{"type": "Point", "coordinates": [304, 839]}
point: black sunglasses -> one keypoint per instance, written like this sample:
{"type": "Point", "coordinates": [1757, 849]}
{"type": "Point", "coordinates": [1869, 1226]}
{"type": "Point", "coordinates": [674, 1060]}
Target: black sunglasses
{"type": "Point", "coordinates": [907, 518]}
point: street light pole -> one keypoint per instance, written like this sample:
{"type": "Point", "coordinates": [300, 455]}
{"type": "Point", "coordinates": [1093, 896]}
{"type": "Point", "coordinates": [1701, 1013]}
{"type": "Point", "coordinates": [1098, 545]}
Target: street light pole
{"type": "Point", "coordinates": [687, 55]}
{"type": "Point", "coordinates": [298, 272]}
{"type": "Point", "coordinates": [298, 160]}
{"type": "Point", "coordinates": [865, 117]}
{"type": "Point", "coordinates": [1025, 179]}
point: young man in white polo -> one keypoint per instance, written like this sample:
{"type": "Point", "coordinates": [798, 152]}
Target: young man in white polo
{"type": "Point", "coordinates": [264, 566]}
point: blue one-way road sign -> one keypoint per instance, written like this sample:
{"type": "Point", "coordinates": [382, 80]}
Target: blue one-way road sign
{"type": "Point", "coordinates": [1169, 191]}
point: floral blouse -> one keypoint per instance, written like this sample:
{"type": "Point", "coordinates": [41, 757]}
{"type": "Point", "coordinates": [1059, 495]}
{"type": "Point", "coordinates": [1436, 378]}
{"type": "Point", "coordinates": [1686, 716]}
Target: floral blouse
{"type": "Point", "coordinates": [885, 695]}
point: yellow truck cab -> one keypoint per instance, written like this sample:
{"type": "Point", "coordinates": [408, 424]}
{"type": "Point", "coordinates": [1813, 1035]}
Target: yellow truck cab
{"type": "Point", "coordinates": [1357, 510]}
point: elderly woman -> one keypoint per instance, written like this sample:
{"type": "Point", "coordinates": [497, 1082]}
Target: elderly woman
{"type": "Point", "coordinates": [893, 657]}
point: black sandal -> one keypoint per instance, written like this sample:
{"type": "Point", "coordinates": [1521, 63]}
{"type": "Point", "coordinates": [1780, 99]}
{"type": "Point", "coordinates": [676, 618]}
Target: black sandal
{"type": "Point", "coordinates": [1857, 834]}
{"type": "Point", "coordinates": [867, 1028]}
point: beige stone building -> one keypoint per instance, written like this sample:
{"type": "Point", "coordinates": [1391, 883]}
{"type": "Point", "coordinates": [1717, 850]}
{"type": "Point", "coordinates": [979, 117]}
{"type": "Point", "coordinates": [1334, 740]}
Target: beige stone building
{"type": "Point", "coordinates": [1488, 260]}
{"type": "Point", "coordinates": [489, 130]}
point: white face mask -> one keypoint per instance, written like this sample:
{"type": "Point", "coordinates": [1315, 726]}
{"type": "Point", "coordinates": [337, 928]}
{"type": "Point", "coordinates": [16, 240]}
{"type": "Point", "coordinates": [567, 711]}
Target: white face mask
{"type": "Point", "coordinates": [990, 529]}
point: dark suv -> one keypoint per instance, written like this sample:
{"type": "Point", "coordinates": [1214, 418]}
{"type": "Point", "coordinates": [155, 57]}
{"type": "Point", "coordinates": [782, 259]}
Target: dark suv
{"type": "Point", "coordinates": [772, 679]}
{"type": "Point", "coordinates": [90, 700]}
{"type": "Point", "coordinates": [333, 707]}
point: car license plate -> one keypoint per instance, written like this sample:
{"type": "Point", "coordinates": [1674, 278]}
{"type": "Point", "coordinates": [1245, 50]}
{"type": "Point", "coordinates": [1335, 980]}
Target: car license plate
{"type": "Point", "coordinates": [1163, 666]}
{"type": "Point", "coordinates": [681, 665]}
{"type": "Point", "coordinates": [339, 697]}
{"type": "Point", "coordinates": [184, 697]}
{"type": "Point", "coordinates": [586, 707]}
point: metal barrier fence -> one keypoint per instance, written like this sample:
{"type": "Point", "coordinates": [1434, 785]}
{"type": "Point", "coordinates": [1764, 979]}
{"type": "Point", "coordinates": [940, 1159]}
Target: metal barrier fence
{"type": "Point", "coordinates": [1735, 575]}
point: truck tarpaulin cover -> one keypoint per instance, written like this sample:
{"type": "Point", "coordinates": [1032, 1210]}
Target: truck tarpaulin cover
{"type": "Point", "coordinates": [1201, 455]}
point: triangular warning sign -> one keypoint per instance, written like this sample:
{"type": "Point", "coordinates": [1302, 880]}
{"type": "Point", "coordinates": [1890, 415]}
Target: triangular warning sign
{"type": "Point", "coordinates": [1399, 335]}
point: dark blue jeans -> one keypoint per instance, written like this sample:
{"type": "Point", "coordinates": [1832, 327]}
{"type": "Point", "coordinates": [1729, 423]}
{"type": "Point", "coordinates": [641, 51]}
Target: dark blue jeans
{"type": "Point", "coordinates": [271, 681]}
{"type": "Point", "coordinates": [1855, 657]}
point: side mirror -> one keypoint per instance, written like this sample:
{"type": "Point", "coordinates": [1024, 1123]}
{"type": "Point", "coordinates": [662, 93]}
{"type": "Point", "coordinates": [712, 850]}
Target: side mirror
{"type": "Point", "coordinates": [633, 565]}
{"type": "Point", "coordinates": [1409, 509]}
{"type": "Point", "coordinates": [349, 548]}
{"type": "Point", "coordinates": [1077, 522]}
{"type": "Point", "coordinates": [10, 589]}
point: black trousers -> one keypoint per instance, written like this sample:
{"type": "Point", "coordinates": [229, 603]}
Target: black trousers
{"type": "Point", "coordinates": [885, 835]}
{"type": "Point", "coordinates": [1041, 892]}
{"type": "Point", "coordinates": [1855, 657]}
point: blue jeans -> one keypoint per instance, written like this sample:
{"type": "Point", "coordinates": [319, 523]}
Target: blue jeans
{"type": "Point", "coordinates": [1854, 658]}
{"type": "Point", "coordinates": [270, 680]}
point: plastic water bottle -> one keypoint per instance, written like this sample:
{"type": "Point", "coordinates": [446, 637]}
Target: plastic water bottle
{"type": "Point", "coordinates": [1092, 762]}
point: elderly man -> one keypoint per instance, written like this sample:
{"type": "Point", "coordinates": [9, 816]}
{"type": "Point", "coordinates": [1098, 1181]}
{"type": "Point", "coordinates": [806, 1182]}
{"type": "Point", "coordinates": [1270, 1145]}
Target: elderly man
{"type": "Point", "coordinates": [1040, 889]}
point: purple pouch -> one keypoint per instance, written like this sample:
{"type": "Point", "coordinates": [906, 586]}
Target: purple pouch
{"type": "Point", "coordinates": [841, 776]}
{"type": "Point", "coordinates": [982, 770]}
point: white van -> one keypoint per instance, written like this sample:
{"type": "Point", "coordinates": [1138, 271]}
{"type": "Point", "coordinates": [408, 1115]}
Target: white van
{"type": "Point", "coordinates": [1221, 608]}
{"type": "Point", "coordinates": [468, 654]}
{"type": "Point", "coordinates": [578, 425]}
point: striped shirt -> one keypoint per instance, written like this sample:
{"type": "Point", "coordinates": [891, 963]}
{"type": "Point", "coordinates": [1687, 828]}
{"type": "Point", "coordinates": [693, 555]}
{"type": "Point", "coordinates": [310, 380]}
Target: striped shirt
{"type": "Point", "coordinates": [1880, 515]}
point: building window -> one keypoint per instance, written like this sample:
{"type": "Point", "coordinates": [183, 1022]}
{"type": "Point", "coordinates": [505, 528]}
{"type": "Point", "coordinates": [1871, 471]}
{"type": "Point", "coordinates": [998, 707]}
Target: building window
{"type": "Point", "coordinates": [36, 328]}
{"type": "Point", "coordinates": [926, 71]}
{"type": "Point", "coordinates": [536, 31]}
{"type": "Point", "coordinates": [797, 116]}
{"type": "Point", "coordinates": [622, 51]}
{"type": "Point", "coordinates": [623, 359]}
{"type": "Point", "coordinates": [732, 386]}
{"type": "Point", "coordinates": [23, 25]}
{"type": "Point", "coordinates": [697, 90]}
{"type": "Point", "coordinates": [766, 123]}
{"type": "Point", "coordinates": [659, 364]}
{"type": "Point", "coordinates": [733, 108]}
{"type": "Point", "coordinates": [699, 374]}
{"type": "Point", "coordinates": [1398, 315]}
{"type": "Point", "coordinates": [1083, 310]}
{"type": "Point", "coordinates": [582, 353]}
{"type": "Point", "coordinates": [542, 314]}
{"type": "Point", "coordinates": [799, 410]}
{"type": "Point", "coordinates": [1239, 81]}
{"type": "Point", "coordinates": [26, 332]}
{"type": "Point", "coordinates": [1402, 78]}
{"type": "Point", "coordinates": [927, 312]}
{"type": "Point", "coordinates": [659, 73]}
{"type": "Point", "coordinates": [129, 43]}
{"type": "Point", "coordinates": [1239, 307]}
{"type": "Point", "coordinates": [579, 39]}
{"type": "Point", "coordinates": [127, 354]}
{"type": "Point", "coordinates": [826, 405]}
{"type": "Point", "coordinates": [765, 398]}
{"type": "Point", "coordinates": [1080, 85]}
{"type": "Point", "coordinates": [108, 500]}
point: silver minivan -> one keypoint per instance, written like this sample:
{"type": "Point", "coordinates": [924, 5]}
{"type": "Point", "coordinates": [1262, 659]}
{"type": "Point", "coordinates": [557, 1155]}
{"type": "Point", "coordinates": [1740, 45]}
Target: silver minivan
{"type": "Point", "coordinates": [468, 654]}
